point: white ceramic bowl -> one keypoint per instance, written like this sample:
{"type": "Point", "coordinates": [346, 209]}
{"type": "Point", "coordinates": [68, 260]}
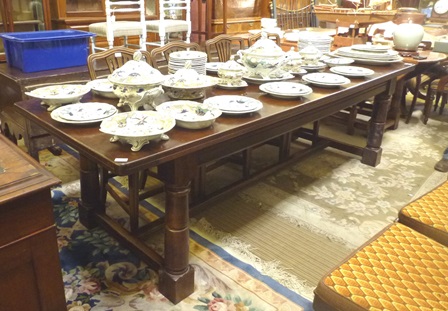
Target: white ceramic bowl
{"type": "Point", "coordinates": [56, 95]}
{"type": "Point", "coordinates": [190, 114]}
{"type": "Point", "coordinates": [138, 128]}
{"type": "Point", "coordinates": [102, 87]}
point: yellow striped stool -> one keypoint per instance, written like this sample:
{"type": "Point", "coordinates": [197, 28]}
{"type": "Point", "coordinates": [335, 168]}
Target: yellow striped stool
{"type": "Point", "coordinates": [429, 214]}
{"type": "Point", "coordinates": [398, 269]}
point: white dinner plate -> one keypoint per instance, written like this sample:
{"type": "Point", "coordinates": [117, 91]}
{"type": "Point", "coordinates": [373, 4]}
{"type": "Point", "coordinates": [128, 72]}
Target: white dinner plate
{"type": "Point", "coordinates": [254, 80]}
{"type": "Point", "coordinates": [286, 89]}
{"type": "Point", "coordinates": [82, 112]}
{"type": "Point", "coordinates": [234, 104]}
{"type": "Point", "coordinates": [352, 71]}
{"type": "Point", "coordinates": [326, 80]}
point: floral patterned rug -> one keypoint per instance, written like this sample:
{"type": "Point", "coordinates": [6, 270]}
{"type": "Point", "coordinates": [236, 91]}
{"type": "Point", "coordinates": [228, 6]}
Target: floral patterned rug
{"type": "Point", "coordinates": [99, 274]}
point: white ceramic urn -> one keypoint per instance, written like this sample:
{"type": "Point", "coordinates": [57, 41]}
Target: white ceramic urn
{"type": "Point", "coordinates": [407, 36]}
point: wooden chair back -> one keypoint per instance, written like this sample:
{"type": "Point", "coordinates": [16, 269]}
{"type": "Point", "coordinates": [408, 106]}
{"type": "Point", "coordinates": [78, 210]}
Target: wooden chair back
{"type": "Point", "coordinates": [160, 56]}
{"type": "Point", "coordinates": [117, 25]}
{"type": "Point", "coordinates": [103, 63]}
{"type": "Point", "coordinates": [174, 16]}
{"type": "Point", "coordinates": [222, 47]}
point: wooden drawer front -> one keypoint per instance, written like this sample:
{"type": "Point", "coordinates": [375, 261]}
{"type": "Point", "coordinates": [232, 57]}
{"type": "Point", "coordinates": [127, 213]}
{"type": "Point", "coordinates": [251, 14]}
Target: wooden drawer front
{"type": "Point", "coordinates": [30, 274]}
{"type": "Point", "coordinates": [25, 216]}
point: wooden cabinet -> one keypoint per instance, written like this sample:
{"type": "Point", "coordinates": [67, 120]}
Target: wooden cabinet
{"type": "Point", "coordinates": [23, 15]}
{"type": "Point", "coordinates": [30, 270]}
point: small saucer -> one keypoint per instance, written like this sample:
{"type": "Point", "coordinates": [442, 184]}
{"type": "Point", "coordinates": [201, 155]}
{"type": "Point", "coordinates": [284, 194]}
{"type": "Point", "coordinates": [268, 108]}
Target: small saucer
{"type": "Point", "coordinates": [232, 87]}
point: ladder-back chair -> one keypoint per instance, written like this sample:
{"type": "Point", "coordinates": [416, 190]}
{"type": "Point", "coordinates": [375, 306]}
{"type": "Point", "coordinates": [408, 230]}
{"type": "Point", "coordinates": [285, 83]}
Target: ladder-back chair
{"type": "Point", "coordinates": [222, 47]}
{"type": "Point", "coordinates": [174, 17]}
{"type": "Point", "coordinates": [160, 56]}
{"type": "Point", "coordinates": [116, 25]}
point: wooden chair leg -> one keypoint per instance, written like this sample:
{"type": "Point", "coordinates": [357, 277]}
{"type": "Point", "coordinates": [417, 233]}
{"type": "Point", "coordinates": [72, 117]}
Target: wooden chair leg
{"type": "Point", "coordinates": [247, 155]}
{"type": "Point", "coordinates": [428, 104]}
{"type": "Point", "coordinates": [414, 99]}
{"type": "Point", "coordinates": [352, 119]}
{"type": "Point", "coordinates": [443, 103]}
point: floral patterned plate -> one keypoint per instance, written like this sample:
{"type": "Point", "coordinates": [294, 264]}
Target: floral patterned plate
{"type": "Point", "coordinates": [81, 112]}
{"type": "Point", "coordinates": [234, 104]}
{"type": "Point", "coordinates": [286, 89]}
{"type": "Point", "coordinates": [352, 71]}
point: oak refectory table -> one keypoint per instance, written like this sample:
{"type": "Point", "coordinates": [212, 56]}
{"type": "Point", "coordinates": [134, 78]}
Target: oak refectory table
{"type": "Point", "coordinates": [179, 157]}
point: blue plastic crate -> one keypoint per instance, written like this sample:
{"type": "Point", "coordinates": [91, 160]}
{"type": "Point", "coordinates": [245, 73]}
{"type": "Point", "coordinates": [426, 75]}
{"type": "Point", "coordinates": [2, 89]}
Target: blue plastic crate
{"type": "Point", "coordinates": [45, 50]}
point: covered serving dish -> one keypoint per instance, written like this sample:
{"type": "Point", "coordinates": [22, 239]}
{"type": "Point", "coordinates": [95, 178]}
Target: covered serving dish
{"type": "Point", "coordinates": [187, 83]}
{"type": "Point", "coordinates": [263, 59]}
{"type": "Point", "coordinates": [293, 61]}
{"type": "Point", "coordinates": [231, 73]}
{"type": "Point", "coordinates": [136, 83]}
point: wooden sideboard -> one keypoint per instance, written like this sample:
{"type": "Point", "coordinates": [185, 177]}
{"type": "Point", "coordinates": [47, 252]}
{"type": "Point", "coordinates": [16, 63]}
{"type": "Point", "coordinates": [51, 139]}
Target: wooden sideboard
{"type": "Point", "coordinates": [30, 270]}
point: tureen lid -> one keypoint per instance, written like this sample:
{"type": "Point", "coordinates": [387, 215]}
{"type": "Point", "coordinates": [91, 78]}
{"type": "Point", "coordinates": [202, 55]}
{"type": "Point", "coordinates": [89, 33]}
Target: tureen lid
{"type": "Point", "coordinates": [188, 78]}
{"type": "Point", "coordinates": [292, 54]}
{"type": "Point", "coordinates": [136, 72]}
{"type": "Point", "coordinates": [265, 46]}
{"type": "Point", "coordinates": [232, 65]}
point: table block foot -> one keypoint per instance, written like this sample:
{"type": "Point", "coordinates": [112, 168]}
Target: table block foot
{"type": "Point", "coordinates": [176, 287]}
{"type": "Point", "coordinates": [371, 157]}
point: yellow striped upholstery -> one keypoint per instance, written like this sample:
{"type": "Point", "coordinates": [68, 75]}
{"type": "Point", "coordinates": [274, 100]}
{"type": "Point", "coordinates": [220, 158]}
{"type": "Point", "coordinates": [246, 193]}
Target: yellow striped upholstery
{"type": "Point", "coordinates": [429, 214]}
{"type": "Point", "coordinates": [399, 269]}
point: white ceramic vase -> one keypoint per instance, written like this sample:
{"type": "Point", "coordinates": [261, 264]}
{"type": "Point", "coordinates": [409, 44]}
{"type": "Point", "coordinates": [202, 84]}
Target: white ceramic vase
{"type": "Point", "coordinates": [407, 36]}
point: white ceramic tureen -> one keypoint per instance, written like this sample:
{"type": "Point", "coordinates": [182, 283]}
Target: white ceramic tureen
{"type": "Point", "coordinates": [187, 83]}
{"type": "Point", "coordinates": [231, 73]}
{"type": "Point", "coordinates": [263, 59]}
{"type": "Point", "coordinates": [293, 61]}
{"type": "Point", "coordinates": [136, 83]}
{"type": "Point", "coordinates": [310, 55]}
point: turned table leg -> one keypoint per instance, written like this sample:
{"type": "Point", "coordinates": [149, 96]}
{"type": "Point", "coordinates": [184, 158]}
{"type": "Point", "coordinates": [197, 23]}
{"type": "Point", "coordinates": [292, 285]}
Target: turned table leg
{"type": "Point", "coordinates": [372, 152]}
{"type": "Point", "coordinates": [176, 275]}
{"type": "Point", "coordinates": [90, 192]}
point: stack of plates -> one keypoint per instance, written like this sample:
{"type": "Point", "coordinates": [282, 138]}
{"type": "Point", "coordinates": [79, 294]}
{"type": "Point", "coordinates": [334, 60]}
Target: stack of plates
{"type": "Point", "coordinates": [325, 79]}
{"type": "Point", "coordinates": [369, 54]}
{"type": "Point", "coordinates": [83, 113]}
{"type": "Point", "coordinates": [321, 42]}
{"type": "Point", "coordinates": [234, 104]}
{"type": "Point", "coordinates": [286, 89]}
{"type": "Point", "coordinates": [178, 59]}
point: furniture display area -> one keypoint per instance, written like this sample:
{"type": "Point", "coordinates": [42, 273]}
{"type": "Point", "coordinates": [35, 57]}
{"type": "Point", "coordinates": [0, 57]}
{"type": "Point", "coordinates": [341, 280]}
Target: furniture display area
{"type": "Point", "coordinates": [30, 271]}
{"type": "Point", "coordinates": [404, 266]}
{"type": "Point", "coordinates": [179, 157]}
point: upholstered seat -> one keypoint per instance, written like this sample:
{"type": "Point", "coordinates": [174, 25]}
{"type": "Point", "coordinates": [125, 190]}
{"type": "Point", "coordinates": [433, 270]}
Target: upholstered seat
{"type": "Point", "coordinates": [399, 269]}
{"type": "Point", "coordinates": [429, 214]}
